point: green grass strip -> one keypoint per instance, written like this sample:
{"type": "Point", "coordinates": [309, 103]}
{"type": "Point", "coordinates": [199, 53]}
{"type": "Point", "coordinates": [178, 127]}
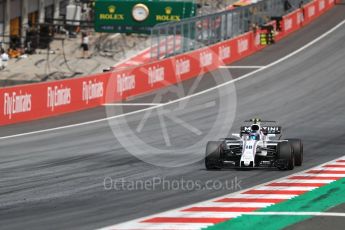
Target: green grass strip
{"type": "Point", "coordinates": [318, 200]}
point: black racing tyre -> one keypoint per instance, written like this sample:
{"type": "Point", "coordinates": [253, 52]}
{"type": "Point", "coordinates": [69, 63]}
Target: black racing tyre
{"type": "Point", "coordinates": [297, 147]}
{"type": "Point", "coordinates": [285, 154]}
{"type": "Point", "coordinates": [213, 157]}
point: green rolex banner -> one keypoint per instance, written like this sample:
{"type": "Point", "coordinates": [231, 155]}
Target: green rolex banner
{"type": "Point", "coordinates": [135, 16]}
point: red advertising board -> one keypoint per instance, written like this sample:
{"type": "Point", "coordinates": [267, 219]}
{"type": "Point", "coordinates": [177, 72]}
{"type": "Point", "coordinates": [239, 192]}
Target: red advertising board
{"type": "Point", "coordinates": [305, 15]}
{"type": "Point", "coordinates": [34, 101]}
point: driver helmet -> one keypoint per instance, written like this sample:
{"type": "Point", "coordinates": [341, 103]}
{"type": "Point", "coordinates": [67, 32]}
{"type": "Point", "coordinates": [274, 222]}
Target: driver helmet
{"type": "Point", "coordinates": [254, 133]}
{"type": "Point", "coordinates": [254, 136]}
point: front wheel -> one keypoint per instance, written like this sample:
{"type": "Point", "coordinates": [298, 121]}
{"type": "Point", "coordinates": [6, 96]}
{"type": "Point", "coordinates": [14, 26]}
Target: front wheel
{"type": "Point", "coordinates": [297, 147]}
{"type": "Point", "coordinates": [213, 158]}
{"type": "Point", "coordinates": [286, 156]}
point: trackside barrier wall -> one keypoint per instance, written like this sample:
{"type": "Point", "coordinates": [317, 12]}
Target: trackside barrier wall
{"type": "Point", "coordinates": [35, 101]}
{"type": "Point", "coordinates": [305, 15]}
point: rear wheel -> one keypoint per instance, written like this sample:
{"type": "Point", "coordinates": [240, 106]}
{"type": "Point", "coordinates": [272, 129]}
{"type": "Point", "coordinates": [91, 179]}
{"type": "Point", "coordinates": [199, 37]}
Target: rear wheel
{"type": "Point", "coordinates": [213, 158]}
{"type": "Point", "coordinates": [286, 156]}
{"type": "Point", "coordinates": [297, 147]}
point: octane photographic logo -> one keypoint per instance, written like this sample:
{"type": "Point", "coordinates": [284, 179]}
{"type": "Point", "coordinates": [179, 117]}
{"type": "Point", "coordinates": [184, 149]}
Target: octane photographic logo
{"type": "Point", "coordinates": [171, 125]}
{"type": "Point", "coordinates": [167, 184]}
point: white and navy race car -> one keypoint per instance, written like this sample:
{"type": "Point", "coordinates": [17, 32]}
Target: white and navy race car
{"type": "Point", "coordinates": [256, 146]}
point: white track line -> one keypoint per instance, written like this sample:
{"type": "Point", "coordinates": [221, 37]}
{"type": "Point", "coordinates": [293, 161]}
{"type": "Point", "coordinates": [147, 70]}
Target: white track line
{"type": "Point", "coordinates": [165, 226]}
{"type": "Point", "coordinates": [322, 174]}
{"type": "Point", "coordinates": [285, 188]}
{"type": "Point", "coordinates": [329, 169]}
{"type": "Point", "coordinates": [242, 67]}
{"type": "Point", "coordinates": [307, 181]}
{"type": "Point", "coordinates": [132, 104]}
{"type": "Point", "coordinates": [333, 214]}
{"type": "Point", "coordinates": [234, 204]}
{"type": "Point", "coordinates": [189, 96]}
{"type": "Point", "coordinates": [177, 214]}
{"type": "Point", "coordinates": [266, 196]}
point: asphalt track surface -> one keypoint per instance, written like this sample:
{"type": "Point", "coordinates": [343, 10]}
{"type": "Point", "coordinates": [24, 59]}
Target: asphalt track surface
{"type": "Point", "coordinates": [322, 222]}
{"type": "Point", "coordinates": [54, 180]}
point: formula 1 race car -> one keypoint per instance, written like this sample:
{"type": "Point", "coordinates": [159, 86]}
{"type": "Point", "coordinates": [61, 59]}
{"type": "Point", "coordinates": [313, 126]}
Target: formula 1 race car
{"type": "Point", "coordinates": [257, 146]}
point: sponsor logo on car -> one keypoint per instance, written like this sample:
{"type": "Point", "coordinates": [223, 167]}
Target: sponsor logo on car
{"type": "Point", "coordinates": [268, 129]}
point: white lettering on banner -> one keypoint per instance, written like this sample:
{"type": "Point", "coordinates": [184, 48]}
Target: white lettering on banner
{"type": "Point", "coordinates": [242, 45]}
{"type": "Point", "coordinates": [311, 11]}
{"type": "Point", "coordinates": [14, 103]}
{"type": "Point", "coordinates": [58, 96]}
{"type": "Point", "coordinates": [257, 39]}
{"type": "Point", "coordinates": [206, 59]}
{"type": "Point", "coordinates": [125, 83]}
{"type": "Point", "coordinates": [300, 17]}
{"type": "Point", "coordinates": [288, 24]}
{"type": "Point", "coordinates": [322, 5]}
{"type": "Point", "coordinates": [182, 66]}
{"type": "Point", "coordinates": [92, 90]}
{"type": "Point", "coordinates": [224, 52]}
{"type": "Point", "coordinates": [156, 74]}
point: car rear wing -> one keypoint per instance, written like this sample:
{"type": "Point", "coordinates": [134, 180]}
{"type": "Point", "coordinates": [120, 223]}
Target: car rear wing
{"type": "Point", "coordinates": [276, 130]}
